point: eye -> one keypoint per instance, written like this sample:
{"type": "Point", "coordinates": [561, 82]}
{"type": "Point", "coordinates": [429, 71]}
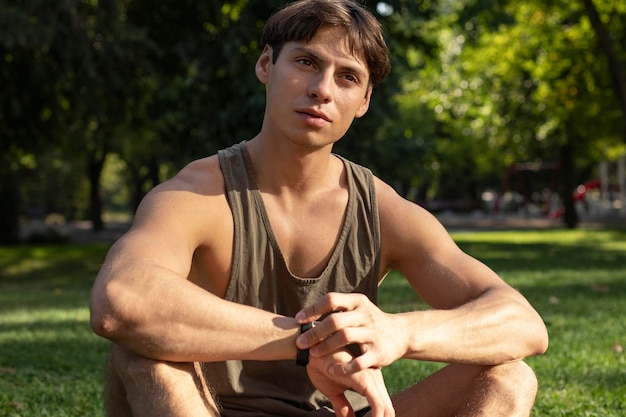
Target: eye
{"type": "Point", "coordinates": [305, 61]}
{"type": "Point", "coordinates": [352, 78]}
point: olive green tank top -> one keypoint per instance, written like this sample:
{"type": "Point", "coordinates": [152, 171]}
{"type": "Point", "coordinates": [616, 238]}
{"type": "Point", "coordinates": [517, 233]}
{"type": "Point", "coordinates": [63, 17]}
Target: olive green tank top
{"type": "Point", "coordinates": [260, 278]}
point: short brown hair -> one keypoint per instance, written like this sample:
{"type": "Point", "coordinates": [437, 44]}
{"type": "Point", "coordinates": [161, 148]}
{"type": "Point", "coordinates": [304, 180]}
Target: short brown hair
{"type": "Point", "coordinates": [299, 21]}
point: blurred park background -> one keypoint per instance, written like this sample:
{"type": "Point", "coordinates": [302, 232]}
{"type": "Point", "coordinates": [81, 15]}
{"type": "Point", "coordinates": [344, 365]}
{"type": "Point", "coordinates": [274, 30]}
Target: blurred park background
{"type": "Point", "coordinates": [493, 108]}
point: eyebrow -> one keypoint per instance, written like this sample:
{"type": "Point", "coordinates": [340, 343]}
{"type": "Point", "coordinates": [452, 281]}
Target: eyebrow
{"type": "Point", "coordinates": [350, 68]}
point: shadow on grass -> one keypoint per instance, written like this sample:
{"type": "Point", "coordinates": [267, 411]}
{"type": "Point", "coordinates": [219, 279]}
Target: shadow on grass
{"type": "Point", "coordinates": [48, 276]}
{"type": "Point", "coordinates": [542, 257]}
{"type": "Point", "coordinates": [50, 265]}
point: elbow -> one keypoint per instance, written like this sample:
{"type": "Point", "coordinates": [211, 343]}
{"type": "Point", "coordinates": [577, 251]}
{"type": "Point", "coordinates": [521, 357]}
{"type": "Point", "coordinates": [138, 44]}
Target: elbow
{"type": "Point", "coordinates": [537, 339]}
{"type": "Point", "coordinates": [532, 330]}
{"type": "Point", "coordinates": [108, 318]}
{"type": "Point", "coordinates": [540, 340]}
{"type": "Point", "coordinates": [104, 324]}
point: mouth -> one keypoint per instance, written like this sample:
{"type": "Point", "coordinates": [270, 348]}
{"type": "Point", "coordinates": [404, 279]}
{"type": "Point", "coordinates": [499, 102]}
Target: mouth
{"type": "Point", "coordinates": [314, 113]}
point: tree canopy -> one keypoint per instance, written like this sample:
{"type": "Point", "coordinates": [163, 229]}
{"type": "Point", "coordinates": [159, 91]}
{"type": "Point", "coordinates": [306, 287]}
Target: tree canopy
{"type": "Point", "coordinates": [475, 87]}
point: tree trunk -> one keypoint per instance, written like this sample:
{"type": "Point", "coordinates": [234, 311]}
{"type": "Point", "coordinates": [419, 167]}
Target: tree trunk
{"type": "Point", "coordinates": [137, 187]}
{"type": "Point", "coordinates": [570, 216]}
{"type": "Point", "coordinates": [9, 209]}
{"type": "Point", "coordinates": [94, 170]}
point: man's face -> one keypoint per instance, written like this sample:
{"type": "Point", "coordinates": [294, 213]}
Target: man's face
{"type": "Point", "coordinates": [315, 89]}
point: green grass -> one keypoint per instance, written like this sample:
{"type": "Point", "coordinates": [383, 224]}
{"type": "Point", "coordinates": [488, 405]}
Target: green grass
{"type": "Point", "coordinates": [50, 361]}
{"type": "Point", "coordinates": [51, 364]}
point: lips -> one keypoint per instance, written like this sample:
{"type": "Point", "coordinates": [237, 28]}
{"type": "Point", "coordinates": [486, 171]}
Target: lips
{"type": "Point", "coordinates": [314, 113]}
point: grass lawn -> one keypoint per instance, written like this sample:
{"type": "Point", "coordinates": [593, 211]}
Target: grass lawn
{"type": "Point", "coordinates": [51, 364]}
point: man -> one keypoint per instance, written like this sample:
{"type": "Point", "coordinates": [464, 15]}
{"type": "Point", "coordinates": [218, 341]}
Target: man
{"type": "Point", "coordinates": [270, 253]}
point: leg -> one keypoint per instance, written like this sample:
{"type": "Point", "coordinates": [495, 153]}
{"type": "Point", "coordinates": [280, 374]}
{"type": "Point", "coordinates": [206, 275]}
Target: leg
{"type": "Point", "coordinates": [136, 386]}
{"type": "Point", "coordinates": [465, 390]}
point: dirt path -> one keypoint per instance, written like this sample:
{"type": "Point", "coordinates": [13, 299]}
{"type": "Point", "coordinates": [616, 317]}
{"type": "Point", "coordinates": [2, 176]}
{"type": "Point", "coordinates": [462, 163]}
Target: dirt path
{"type": "Point", "coordinates": [80, 231]}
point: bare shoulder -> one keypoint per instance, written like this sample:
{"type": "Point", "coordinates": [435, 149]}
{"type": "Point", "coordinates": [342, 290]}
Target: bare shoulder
{"type": "Point", "coordinates": [397, 212]}
{"type": "Point", "coordinates": [199, 177]}
{"type": "Point", "coordinates": [183, 208]}
{"type": "Point", "coordinates": [408, 230]}
{"type": "Point", "coordinates": [184, 226]}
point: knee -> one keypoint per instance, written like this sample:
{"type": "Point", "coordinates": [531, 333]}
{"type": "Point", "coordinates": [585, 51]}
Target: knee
{"type": "Point", "coordinates": [136, 369]}
{"type": "Point", "coordinates": [516, 385]}
{"type": "Point", "coordinates": [153, 387]}
{"type": "Point", "coordinates": [519, 377]}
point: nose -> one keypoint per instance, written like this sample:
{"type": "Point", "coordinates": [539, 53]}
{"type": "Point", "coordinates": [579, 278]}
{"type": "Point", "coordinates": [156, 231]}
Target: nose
{"type": "Point", "coordinates": [321, 86]}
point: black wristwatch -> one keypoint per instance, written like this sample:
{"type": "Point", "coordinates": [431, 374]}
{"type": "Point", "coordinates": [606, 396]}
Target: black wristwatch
{"type": "Point", "coordinates": [302, 357]}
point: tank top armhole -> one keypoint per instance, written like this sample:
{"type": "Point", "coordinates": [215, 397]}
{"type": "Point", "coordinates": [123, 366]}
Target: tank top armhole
{"type": "Point", "coordinates": [366, 174]}
{"type": "Point", "coordinates": [227, 159]}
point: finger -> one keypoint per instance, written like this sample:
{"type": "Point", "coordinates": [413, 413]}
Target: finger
{"type": "Point", "coordinates": [323, 338]}
{"type": "Point", "coordinates": [330, 338]}
{"type": "Point", "coordinates": [342, 406]}
{"type": "Point", "coordinates": [310, 337]}
{"type": "Point", "coordinates": [337, 331]}
{"type": "Point", "coordinates": [389, 411]}
{"type": "Point", "coordinates": [330, 303]}
{"type": "Point", "coordinates": [316, 310]}
{"type": "Point", "coordinates": [345, 369]}
{"type": "Point", "coordinates": [378, 397]}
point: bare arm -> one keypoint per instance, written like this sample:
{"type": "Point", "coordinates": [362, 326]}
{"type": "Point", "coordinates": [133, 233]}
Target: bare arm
{"type": "Point", "coordinates": [143, 300]}
{"type": "Point", "coordinates": [476, 317]}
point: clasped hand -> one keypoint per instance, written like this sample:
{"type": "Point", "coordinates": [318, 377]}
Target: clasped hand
{"type": "Point", "coordinates": [350, 319]}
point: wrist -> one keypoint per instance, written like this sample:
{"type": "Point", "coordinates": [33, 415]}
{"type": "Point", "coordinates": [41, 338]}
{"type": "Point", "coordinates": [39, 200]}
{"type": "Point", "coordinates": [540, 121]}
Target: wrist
{"type": "Point", "coordinates": [408, 340]}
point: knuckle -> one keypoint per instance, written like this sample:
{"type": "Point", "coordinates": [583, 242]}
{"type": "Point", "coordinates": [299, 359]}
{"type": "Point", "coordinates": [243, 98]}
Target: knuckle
{"type": "Point", "coordinates": [314, 334]}
{"type": "Point", "coordinates": [333, 321]}
{"type": "Point", "coordinates": [361, 297]}
{"type": "Point", "coordinates": [313, 311]}
{"type": "Point", "coordinates": [342, 338]}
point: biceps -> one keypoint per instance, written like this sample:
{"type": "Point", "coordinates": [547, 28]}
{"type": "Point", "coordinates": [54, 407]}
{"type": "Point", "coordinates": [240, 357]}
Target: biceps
{"type": "Point", "coordinates": [138, 248]}
{"type": "Point", "coordinates": [446, 282]}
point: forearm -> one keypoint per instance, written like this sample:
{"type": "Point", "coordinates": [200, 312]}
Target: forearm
{"type": "Point", "coordinates": [168, 318]}
{"type": "Point", "coordinates": [497, 327]}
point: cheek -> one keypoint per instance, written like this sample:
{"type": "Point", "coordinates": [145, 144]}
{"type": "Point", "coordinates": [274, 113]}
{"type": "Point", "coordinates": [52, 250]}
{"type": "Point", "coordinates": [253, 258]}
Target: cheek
{"type": "Point", "coordinates": [281, 90]}
{"type": "Point", "coordinates": [353, 107]}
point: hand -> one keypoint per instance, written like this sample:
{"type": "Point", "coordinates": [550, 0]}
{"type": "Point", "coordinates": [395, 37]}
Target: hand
{"type": "Point", "coordinates": [382, 337]}
{"type": "Point", "coordinates": [369, 383]}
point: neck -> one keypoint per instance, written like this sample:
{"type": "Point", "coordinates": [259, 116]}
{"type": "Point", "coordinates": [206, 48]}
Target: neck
{"type": "Point", "coordinates": [282, 166]}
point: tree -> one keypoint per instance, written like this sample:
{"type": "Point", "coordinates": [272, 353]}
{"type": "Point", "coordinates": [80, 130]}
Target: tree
{"type": "Point", "coordinates": [524, 80]}
{"type": "Point", "coordinates": [70, 76]}
{"type": "Point", "coordinates": [26, 113]}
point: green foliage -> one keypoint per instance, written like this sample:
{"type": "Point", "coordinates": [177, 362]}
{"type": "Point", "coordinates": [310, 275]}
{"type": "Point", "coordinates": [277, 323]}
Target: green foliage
{"type": "Point", "coordinates": [69, 72]}
{"type": "Point", "coordinates": [475, 86]}
{"type": "Point", "coordinates": [520, 81]}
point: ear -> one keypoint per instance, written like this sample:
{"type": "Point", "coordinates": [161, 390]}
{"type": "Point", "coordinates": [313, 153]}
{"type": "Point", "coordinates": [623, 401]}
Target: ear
{"type": "Point", "coordinates": [366, 103]}
{"type": "Point", "coordinates": [263, 64]}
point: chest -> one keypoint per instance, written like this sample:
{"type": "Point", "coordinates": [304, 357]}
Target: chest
{"type": "Point", "coordinates": [307, 232]}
